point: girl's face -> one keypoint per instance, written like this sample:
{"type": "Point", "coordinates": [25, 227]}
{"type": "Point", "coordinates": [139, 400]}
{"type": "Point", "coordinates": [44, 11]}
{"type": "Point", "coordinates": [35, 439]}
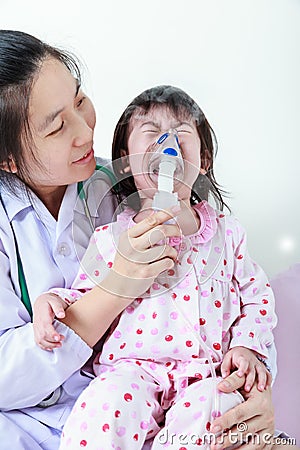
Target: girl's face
{"type": "Point", "coordinates": [62, 121]}
{"type": "Point", "coordinates": [146, 129]}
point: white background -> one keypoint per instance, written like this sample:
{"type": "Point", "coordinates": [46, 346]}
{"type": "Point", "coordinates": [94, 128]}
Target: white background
{"type": "Point", "coordinates": [239, 59]}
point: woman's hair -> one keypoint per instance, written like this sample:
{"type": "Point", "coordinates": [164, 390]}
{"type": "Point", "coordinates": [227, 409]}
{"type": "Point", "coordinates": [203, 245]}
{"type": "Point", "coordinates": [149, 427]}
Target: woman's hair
{"type": "Point", "coordinates": [21, 58]}
{"type": "Point", "coordinates": [183, 107]}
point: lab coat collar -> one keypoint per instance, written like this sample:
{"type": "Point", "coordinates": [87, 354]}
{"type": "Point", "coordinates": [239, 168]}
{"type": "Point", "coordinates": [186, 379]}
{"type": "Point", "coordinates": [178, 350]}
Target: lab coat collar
{"type": "Point", "coordinates": [14, 203]}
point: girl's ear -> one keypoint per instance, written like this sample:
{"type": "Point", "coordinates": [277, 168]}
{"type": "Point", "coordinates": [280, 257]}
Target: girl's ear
{"type": "Point", "coordinates": [205, 161]}
{"type": "Point", "coordinates": [125, 161]}
{"type": "Point", "coordinates": [9, 166]}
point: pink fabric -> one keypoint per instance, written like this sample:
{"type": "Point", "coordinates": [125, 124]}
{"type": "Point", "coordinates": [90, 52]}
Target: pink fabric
{"type": "Point", "coordinates": [126, 406]}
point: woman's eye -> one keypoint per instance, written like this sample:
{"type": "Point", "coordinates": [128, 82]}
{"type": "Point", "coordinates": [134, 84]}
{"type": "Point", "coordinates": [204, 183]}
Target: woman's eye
{"type": "Point", "coordinates": [57, 129]}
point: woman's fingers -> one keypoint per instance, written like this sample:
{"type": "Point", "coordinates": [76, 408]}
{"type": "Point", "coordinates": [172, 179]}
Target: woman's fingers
{"type": "Point", "coordinates": [247, 435]}
{"type": "Point", "coordinates": [232, 417]}
{"type": "Point", "coordinates": [231, 383]}
{"type": "Point", "coordinates": [254, 416]}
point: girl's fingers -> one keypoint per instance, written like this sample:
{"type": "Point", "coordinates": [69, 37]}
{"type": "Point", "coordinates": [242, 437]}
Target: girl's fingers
{"type": "Point", "coordinates": [157, 253]}
{"type": "Point", "coordinates": [56, 305]}
{"type": "Point", "coordinates": [48, 333]}
{"type": "Point", "coordinates": [59, 311]}
{"type": "Point", "coordinates": [154, 236]}
{"type": "Point", "coordinates": [47, 344]}
{"type": "Point", "coordinates": [242, 366]}
{"type": "Point", "coordinates": [261, 377]}
{"type": "Point", "coordinates": [269, 378]}
{"type": "Point", "coordinates": [250, 378]}
{"type": "Point", "coordinates": [157, 218]}
{"type": "Point", "coordinates": [159, 266]}
{"type": "Point", "coordinates": [143, 257]}
{"type": "Point", "coordinates": [226, 365]}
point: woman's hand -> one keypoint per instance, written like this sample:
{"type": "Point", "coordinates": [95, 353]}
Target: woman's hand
{"type": "Point", "coordinates": [253, 418]}
{"type": "Point", "coordinates": [141, 256]}
{"type": "Point", "coordinates": [45, 309]}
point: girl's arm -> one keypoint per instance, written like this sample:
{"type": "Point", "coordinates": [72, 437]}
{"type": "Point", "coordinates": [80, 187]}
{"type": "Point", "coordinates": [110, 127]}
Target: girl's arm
{"type": "Point", "coordinates": [46, 308]}
{"type": "Point", "coordinates": [135, 266]}
{"type": "Point", "coordinates": [103, 288]}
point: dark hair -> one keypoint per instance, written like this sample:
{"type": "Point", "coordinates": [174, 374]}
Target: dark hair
{"type": "Point", "coordinates": [182, 106]}
{"type": "Point", "coordinates": [21, 57]}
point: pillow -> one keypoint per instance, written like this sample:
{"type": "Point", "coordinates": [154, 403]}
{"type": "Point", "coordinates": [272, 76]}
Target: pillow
{"type": "Point", "coordinates": [286, 388]}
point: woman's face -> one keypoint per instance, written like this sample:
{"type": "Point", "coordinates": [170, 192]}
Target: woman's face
{"type": "Point", "coordinates": [146, 129]}
{"type": "Point", "coordinates": [62, 121]}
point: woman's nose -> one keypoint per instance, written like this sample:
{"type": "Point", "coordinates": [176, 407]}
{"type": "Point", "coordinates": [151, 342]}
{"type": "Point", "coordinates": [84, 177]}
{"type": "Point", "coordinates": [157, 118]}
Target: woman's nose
{"type": "Point", "coordinates": [84, 132]}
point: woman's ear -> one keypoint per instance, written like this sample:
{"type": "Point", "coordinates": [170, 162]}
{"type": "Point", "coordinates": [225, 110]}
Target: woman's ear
{"type": "Point", "coordinates": [9, 166]}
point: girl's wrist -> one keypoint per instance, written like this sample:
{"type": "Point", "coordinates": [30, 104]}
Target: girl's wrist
{"type": "Point", "coordinates": [121, 287]}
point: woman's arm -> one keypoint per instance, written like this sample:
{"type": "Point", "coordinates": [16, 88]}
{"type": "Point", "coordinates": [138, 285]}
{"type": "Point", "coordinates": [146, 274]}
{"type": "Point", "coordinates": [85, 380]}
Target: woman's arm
{"type": "Point", "coordinates": [21, 359]}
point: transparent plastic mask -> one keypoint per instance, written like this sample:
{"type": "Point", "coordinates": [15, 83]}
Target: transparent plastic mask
{"type": "Point", "coordinates": [165, 148]}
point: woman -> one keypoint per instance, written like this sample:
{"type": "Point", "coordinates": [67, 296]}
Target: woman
{"type": "Point", "coordinates": [46, 151]}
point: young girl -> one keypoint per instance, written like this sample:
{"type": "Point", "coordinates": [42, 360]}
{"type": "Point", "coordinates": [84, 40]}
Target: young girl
{"type": "Point", "coordinates": [212, 312]}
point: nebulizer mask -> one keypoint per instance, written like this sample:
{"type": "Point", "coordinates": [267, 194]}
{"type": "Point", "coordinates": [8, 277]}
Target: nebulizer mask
{"type": "Point", "coordinates": [165, 168]}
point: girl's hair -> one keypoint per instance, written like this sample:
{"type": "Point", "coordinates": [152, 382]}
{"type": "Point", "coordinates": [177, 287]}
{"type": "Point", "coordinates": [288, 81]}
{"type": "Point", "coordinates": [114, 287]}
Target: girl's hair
{"type": "Point", "coordinates": [21, 58]}
{"type": "Point", "coordinates": [181, 106]}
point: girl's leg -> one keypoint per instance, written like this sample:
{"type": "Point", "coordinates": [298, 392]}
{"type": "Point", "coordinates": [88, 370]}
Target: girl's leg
{"type": "Point", "coordinates": [188, 420]}
{"type": "Point", "coordinates": [118, 410]}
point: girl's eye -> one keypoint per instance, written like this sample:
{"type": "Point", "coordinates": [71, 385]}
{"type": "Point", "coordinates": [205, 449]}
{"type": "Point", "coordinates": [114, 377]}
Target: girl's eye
{"type": "Point", "coordinates": [79, 103]}
{"type": "Point", "coordinates": [150, 131]}
{"type": "Point", "coordinates": [57, 130]}
{"type": "Point", "coordinates": [183, 131]}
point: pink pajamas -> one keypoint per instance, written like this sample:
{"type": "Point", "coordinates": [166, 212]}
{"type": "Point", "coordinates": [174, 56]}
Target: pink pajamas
{"type": "Point", "coordinates": [126, 405]}
{"type": "Point", "coordinates": [154, 366]}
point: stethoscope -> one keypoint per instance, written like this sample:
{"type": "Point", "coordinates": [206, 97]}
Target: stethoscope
{"type": "Point", "coordinates": [82, 195]}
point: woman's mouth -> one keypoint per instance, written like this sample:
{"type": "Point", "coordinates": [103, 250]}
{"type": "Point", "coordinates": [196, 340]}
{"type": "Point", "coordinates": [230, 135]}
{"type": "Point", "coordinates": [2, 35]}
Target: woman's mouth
{"type": "Point", "coordinates": [85, 158]}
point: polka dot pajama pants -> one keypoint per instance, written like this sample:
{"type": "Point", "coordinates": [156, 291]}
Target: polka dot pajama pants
{"type": "Point", "coordinates": [120, 409]}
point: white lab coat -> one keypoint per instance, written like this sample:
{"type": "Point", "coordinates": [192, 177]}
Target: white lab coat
{"type": "Point", "coordinates": [50, 252]}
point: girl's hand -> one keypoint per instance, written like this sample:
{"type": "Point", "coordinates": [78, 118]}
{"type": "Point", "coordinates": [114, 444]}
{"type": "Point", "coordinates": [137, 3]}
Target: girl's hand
{"type": "Point", "coordinates": [139, 258]}
{"type": "Point", "coordinates": [45, 309]}
{"type": "Point", "coordinates": [245, 360]}
{"type": "Point", "coordinates": [254, 417]}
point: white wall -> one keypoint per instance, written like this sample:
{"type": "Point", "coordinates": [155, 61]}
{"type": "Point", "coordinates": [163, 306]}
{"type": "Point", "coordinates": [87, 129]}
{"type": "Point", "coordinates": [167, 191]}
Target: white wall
{"type": "Point", "coordinates": [238, 59]}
